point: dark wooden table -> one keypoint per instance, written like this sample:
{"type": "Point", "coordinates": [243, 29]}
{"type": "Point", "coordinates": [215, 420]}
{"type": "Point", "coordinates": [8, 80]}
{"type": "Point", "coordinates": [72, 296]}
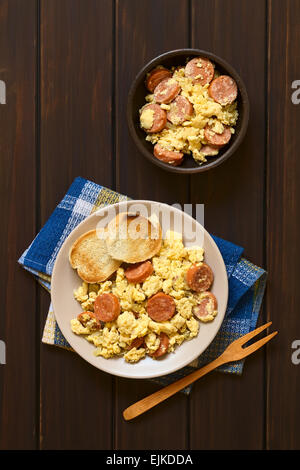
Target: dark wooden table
{"type": "Point", "coordinates": [68, 65]}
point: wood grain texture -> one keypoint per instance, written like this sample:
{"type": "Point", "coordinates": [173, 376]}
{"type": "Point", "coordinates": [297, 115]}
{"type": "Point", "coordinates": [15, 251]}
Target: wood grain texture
{"type": "Point", "coordinates": [18, 396]}
{"type": "Point", "coordinates": [143, 31]}
{"type": "Point", "coordinates": [236, 351]}
{"type": "Point", "coordinates": [67, 118]}
{"type": "Point", "coordinates": [141, 35]}
{"type": "Point", "coordinates": [76, 122]}
{"type": "Point", "coordinates": [283, 204]}
{"type": "Point", "coordinates": [234, 209]}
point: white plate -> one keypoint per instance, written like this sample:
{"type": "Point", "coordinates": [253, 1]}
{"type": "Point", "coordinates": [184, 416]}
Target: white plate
{"type": "Point", "coordinates": [65, 280]}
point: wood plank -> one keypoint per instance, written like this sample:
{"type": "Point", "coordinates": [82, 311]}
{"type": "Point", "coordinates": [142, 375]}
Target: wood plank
{"type": "Point", "coordinates": [76, 138]}
{"type": "Point", "coordinates": [144, 30]}
{"type": "Point", "coordinates": [18, 320]}
{"type": "Point", "coordinates": [283, 199]}
{"type": "Point", "coordinates": [232, 408]}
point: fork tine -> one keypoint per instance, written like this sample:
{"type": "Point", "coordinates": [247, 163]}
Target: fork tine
{"type": "Point", "coordinates": [244, 339]}
{"type": "Point", "coordinates": [253, 347]}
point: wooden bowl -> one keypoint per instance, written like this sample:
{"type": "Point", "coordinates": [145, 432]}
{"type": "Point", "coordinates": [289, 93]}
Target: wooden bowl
{"type": "Point", "coordinates": [136, 99]}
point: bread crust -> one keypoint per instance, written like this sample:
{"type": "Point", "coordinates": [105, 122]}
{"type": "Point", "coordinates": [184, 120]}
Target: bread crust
{"type": "Point", "coordinates": [90, 257]}
{"type": "Point", "coordinates": [133, 238]}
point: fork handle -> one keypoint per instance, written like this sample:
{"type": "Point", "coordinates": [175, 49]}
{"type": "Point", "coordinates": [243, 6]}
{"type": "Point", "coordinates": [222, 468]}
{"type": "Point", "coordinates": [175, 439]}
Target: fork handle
{"type": "Point", "coordinates": [152, 400]}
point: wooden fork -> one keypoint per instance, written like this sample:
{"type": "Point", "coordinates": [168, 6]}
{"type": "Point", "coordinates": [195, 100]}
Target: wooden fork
{"type": "Point", "coordinates": [234, 352]}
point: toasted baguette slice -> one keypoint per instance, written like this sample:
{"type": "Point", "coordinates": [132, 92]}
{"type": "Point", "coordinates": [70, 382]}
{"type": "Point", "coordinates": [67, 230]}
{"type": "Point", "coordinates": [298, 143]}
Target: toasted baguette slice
{"type": "Point", "coordinates": [133, 238]}
{"type": "Point", "coordinates": [90, 257]}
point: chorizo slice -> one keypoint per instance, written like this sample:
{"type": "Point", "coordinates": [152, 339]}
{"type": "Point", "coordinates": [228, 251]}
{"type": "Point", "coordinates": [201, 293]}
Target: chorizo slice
{"type": "Point", "coordinates": [200, 70]}
{"type": "Point", "coordinates": [83, 320]}
{"type": "Point", "coordinates": [217, 139]}
{"type": "Point", "coordinates": [206, 306]}
{"type": "Point", "coordinates": [139, 272]}
{"type": "Point", "coordinates": [107, 307]}
{"type": "Point", "coordinates": [180, 110]}
{"type": "Point", "coordinates": [200, 278]}
{"type": "Point", "coordinates": [166, 91]}
{"type": "Point", "coordinates": [210, 150]}
{"type": "Point", "coordinates": [167, 156]}
{"type": "Point", "coordinates": [136, 343]}
{"type": "Point", "coordinates": [156, 76]}
{"type": "Point", "coordinates": [223, 90]}
{"type": "Point", "coordinates": [161, 307]}
{"type": "Point", "coordinates": [152, 118]}
{"type": "Point", "coordinates": [163, 346]}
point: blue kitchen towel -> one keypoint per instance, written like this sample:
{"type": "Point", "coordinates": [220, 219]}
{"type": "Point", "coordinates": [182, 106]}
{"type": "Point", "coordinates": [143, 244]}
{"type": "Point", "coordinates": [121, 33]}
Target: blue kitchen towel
{"type": "Point", "coordinates": [246, 281]}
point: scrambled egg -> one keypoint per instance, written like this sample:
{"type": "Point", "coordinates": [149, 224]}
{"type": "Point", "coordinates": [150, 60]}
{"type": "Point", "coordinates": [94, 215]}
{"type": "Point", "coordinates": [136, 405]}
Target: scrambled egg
{"type": "Point", "coordinates": [147, 118]}
{"type": "Point", "coordinates": [115, 338]}
{"type": "Point", "coordinates": [188, 137]}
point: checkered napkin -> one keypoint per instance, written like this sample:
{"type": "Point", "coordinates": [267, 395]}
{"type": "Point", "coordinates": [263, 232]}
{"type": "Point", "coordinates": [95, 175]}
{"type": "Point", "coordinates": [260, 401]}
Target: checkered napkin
{"type": "Point", "coordinates": [246, 281]}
